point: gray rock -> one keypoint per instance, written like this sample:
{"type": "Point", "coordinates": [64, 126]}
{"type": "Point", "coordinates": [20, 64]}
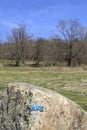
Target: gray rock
{"type": "Point", "coordinates": [59, 112]}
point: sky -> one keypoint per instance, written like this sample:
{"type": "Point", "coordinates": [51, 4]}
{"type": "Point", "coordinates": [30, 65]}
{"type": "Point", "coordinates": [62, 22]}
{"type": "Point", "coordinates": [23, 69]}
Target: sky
{"type": "Point", "coordinates": [40, 16]}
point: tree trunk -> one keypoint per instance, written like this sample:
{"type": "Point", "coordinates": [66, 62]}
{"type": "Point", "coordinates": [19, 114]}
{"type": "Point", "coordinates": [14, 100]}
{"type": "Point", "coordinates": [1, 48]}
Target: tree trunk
{"type": "Point", "coordinates": [69, 62]}
{"type": "Point", "coordinates": [17, 62]}
{"type": "Point", "coordinates": [37, 63]}
{"type": "Point", "coordinates": [69, 55]}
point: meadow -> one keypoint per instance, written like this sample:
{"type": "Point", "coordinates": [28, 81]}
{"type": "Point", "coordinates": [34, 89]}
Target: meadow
{"type": "Point", "coordinates": [70, 82]}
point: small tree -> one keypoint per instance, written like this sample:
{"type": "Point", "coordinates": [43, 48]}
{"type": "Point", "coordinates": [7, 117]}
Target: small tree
{"type": "Point", "coordinates": [57, 50]}
{"type": "Point", "coordinates": [38, 50]}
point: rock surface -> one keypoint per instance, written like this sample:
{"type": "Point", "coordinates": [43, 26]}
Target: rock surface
{"type": "Point", "coordinates": [59, 112]}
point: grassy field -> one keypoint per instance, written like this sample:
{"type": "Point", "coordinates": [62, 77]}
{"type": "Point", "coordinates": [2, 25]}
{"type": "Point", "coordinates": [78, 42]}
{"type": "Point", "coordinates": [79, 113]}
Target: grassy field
{"type": "Point", "coordinates": [71, 83]}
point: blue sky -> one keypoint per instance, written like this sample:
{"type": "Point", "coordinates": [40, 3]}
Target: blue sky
{"type": "Point", "coordinates": [40, 16]}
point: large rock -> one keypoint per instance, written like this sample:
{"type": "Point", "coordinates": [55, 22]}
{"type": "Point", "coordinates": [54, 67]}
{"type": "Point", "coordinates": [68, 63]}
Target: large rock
{"type": "Point", "coordinates": [59, 112]}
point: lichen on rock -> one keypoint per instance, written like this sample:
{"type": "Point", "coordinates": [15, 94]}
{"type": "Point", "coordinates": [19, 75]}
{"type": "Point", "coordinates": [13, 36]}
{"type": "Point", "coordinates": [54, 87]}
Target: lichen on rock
{"type": "Point", "coordinates": [59, 112]}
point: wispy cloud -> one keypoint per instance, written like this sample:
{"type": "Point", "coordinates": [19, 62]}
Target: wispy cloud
{"type": "Point", "coordinates": [9, 25]}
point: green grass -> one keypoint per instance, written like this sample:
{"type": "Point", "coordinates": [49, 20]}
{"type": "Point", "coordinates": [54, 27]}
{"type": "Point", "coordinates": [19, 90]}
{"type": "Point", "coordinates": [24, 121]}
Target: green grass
{"type": "Point", "coordinates": [69, 82]}
{"type": "Point", "coordinates": [6, 62]}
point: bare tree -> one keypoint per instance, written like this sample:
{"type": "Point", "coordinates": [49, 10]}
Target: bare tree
{"type": "Point", "coordinates": [72, 33]}
{"type": "Point", "coordinates": [38, 50]}
{"type": "Point", "coordinates": [19, 40]}
{"type": "Point", "coordinates": [58, 50]}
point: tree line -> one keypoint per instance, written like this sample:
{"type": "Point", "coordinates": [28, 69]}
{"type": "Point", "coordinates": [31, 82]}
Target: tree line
{"type": "Point", "coordinates": [67, 48]}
